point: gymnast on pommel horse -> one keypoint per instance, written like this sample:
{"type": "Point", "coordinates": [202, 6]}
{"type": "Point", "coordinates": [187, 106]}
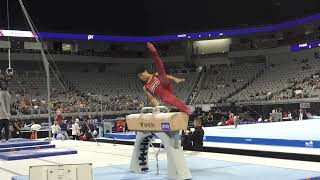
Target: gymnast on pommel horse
{"type": "Point", "coordinates": [165, 126]}
{"type": "Point", "coordinates": [158, 85]}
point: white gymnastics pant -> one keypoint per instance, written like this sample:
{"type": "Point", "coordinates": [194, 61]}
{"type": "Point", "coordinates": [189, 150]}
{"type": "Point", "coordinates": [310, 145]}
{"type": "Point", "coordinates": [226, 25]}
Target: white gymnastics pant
{"type": "Point", "coordinates": [5, 100]}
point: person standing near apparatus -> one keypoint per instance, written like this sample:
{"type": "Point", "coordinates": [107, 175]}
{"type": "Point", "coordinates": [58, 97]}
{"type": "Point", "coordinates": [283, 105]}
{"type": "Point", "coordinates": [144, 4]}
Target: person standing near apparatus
{"type": "Point", "coordinates": [75, 130]}
{"type": "Point", "coordinates": [197, 135]}
{"type": "Point", "coordinates": [300, 114]}
{"type": "Point", "coordinates": [5, 100]}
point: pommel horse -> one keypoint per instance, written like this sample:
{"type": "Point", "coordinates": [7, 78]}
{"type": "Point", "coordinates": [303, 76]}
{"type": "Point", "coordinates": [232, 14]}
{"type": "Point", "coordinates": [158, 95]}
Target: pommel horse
{"type": "Point", "coordinates": [165, 126]}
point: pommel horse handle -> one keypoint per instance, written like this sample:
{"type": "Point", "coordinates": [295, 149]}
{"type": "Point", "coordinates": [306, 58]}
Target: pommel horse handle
{"type": "Point", "coordinates": [153, 108]}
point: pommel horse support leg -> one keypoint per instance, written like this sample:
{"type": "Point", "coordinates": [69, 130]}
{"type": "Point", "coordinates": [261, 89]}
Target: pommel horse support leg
{"type": "Point", "coordinates": [165, 126]}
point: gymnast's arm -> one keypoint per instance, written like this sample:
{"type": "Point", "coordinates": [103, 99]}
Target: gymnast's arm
{"type": "Point", "coordinates": [153, 100]}
{"type": "Point", "coordinates": [175, 79]}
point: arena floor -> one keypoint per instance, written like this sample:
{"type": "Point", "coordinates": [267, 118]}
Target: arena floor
{"type": "Point", "coordinates": [291, 130]}
{"type": "Point", "coordinates": [289, 133]}
{"type": "Point", "coordinates": [111, 162]}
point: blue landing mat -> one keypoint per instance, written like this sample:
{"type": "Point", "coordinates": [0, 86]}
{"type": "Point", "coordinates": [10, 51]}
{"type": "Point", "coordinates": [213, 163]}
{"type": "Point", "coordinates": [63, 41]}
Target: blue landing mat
{"type": "Point", "coordinates": [19, 140]}
{"type": "Point", "coordinates": [205, 169]}
{"type": "Point", "coordinates": [240, 140]}
{"type": "Point", "coordinates": [125, 135]}
{"type": "Point", "coordinates": [46, 146]}
{"type": "Point", "coordinates": [21, 143]}
{"type": "Point", "coordinates": [27, 154]}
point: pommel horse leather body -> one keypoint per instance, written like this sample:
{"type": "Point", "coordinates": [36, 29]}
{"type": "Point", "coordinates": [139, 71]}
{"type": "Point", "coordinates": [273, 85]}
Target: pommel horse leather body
{"type": "Point", "coordinates": [158, 121]}
{"type": "Point", "coordinates": [165, 126]}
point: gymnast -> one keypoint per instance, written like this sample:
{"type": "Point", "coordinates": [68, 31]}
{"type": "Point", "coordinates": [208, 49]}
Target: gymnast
{"type": "Point", "coordinates": [158, 85]}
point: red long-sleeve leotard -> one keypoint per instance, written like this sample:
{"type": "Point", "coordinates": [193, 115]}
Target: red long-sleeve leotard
{"type": "Point", "coordinates": [161, 86]}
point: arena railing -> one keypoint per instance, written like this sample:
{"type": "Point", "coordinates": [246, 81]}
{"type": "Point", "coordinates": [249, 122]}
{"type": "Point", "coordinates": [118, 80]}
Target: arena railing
{"type": "Point", "coordinates": [98, 114]}
{"type": "Point", "coordinates": [91, 52]}
{"type": "Point", "coordinates": [285, 101]}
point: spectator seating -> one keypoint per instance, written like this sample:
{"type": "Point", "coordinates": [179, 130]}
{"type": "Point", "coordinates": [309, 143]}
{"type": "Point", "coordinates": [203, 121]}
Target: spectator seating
{"type": "Point", "coordinates": [275, 79]}
{"type": "Point", "coordinates": [223, 80]}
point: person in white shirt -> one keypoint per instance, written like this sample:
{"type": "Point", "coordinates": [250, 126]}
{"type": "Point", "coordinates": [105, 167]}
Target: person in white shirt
{"type": "Point", "coordinates": [75, 130]}
{"type": "Point", "coordinates": [289, 115]}
{"type": "Point", "coordinates": [55, 129]}
{"type": "Point", "coordinates": [300, 114]}
{"type": "Point", "coordinates": [34, 129]}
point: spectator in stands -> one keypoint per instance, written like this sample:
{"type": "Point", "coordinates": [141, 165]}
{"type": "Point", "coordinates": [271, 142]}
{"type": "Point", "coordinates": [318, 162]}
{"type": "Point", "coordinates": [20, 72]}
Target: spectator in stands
{"type": "Point", "coordinates": [55, 129]}
{"type": "Point", "coordinates": [75, 130]}
{"type": "Point", "coordinates": [197, 135]}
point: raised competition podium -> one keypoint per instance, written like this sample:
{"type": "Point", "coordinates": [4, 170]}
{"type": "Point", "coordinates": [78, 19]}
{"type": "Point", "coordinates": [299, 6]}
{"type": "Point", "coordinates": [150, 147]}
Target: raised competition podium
{"type": "Point", "coordinates": [166, 126]}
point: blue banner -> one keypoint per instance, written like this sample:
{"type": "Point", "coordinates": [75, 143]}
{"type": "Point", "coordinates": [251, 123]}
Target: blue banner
{"type": "Point", "coordinates": [212, 34]}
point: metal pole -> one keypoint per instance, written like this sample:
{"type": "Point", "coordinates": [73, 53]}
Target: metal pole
{"type": "Point", "coordinates": [45, 62]}
{"type": "Point", "coordinates": [9, 49]}
{"type": "Point", "coordinates": [101, 109]}
{"type": "Point", "coordinates": [91, 132]}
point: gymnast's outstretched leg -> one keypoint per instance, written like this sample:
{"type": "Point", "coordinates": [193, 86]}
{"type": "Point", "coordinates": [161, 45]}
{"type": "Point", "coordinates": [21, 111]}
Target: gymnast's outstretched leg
{"type": "Point", "coordinates": [169, 98]}
{"type": "Point", "coordinates": [162, 75]}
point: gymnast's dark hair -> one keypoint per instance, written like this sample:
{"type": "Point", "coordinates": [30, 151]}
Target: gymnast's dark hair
{"type": "Point", "coordinates": [140, 69]}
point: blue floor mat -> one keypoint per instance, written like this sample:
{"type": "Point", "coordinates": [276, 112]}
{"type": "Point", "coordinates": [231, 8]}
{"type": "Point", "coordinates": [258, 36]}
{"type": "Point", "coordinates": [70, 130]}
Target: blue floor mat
{"type": "Point", "coordinates": [205, 169]}
{"type": "Point", "coordinates": [27, 154]}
